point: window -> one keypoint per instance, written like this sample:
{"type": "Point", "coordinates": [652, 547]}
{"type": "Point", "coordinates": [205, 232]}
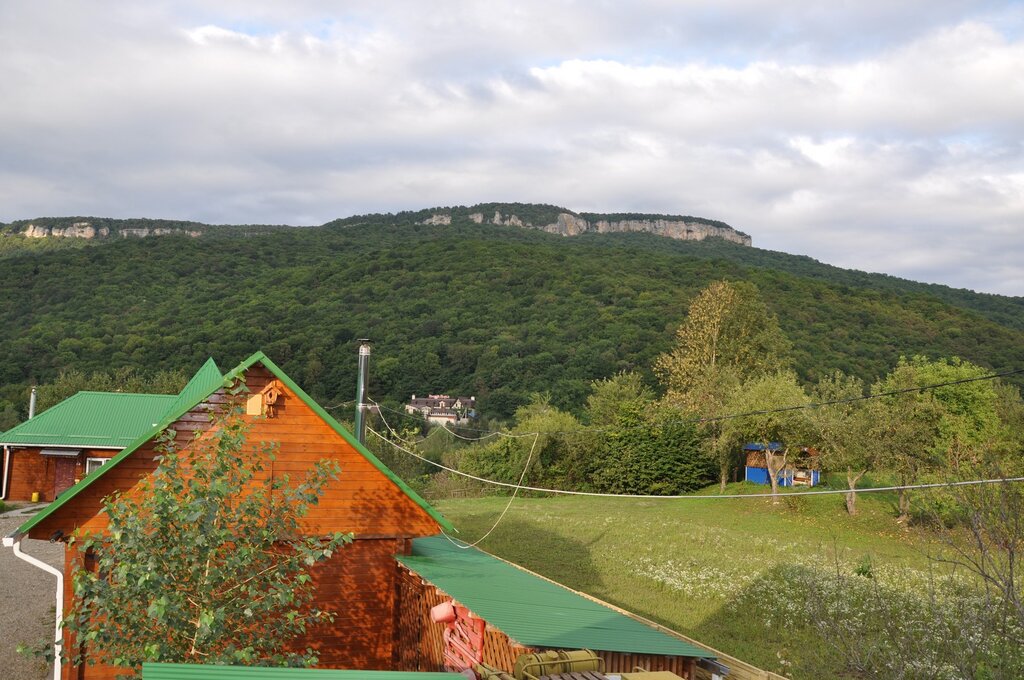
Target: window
{"type": "Point", "coordinates": [94, 463]}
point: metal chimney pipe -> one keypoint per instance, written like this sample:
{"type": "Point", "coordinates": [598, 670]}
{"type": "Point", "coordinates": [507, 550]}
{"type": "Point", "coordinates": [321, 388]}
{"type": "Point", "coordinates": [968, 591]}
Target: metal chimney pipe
{"type": "Point", "coordinates": [32, 403]}
{"type": "Point", "coordinates": [363, 378]}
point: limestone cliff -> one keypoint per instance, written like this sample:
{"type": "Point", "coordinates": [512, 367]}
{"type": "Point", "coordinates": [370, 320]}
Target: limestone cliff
{"type": "Point", "coordinates": [76, 230]}
{"type": "Point", "coordinates": [87, 230]}
{"type": "Point", "coordinates": [569, 224]}
{"type": "Point", "coordinates": [549, 218]}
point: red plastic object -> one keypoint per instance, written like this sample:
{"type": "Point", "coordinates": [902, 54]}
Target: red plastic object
{"type": "Point", "coordinates": [443, 613]}
{"type": "Point", "coordinates": [463, 640]}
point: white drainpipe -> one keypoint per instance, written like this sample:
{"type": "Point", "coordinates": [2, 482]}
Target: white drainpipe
{"type": "Point", "coordinates": [14, 541]}
{"type": "Point", "coordinates": [3, 482]}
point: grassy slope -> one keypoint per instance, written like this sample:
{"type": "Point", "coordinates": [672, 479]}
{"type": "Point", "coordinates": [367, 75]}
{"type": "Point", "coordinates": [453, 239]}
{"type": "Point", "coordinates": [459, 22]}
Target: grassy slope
{"type": "Point", "coordinates": [687, 563]}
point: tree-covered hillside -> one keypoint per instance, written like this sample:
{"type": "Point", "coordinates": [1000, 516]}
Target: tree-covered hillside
{"type": "Point", "coordinates": [497, 312]}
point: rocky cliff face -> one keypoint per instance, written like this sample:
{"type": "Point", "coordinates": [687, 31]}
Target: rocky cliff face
{"type": "Point", "coordinates": [87, 231]}
{"type": "Point", "coordinates": [568, 224]}
{"type": "Point", "coordinates": [677, 229]}
{"type": "Point", "coordinates": [552, 219]}
{"type": "Point", "coordinates": [76, 230]}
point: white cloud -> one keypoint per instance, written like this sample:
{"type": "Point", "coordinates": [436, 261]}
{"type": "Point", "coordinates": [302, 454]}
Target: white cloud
{"type": "Point", "coordinates": [877, 145]}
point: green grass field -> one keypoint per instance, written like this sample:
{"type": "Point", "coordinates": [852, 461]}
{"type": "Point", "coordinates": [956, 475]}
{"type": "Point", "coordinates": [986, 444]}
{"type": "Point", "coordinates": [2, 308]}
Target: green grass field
{"type": "Point", "coordinates": [700, 566]}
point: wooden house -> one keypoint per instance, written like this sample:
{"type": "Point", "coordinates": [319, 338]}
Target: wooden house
{"type": "Point", "coordinates": [49, 453]}
{"type": "Point", "coordinates": [358, 582]}
{"type": "Point", "coordinates": [383, 584]}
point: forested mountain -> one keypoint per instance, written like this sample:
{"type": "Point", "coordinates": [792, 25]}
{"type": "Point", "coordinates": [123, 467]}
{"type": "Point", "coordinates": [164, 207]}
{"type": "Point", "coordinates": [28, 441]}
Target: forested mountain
{"type": "Point", "coordinates": [490, 310]}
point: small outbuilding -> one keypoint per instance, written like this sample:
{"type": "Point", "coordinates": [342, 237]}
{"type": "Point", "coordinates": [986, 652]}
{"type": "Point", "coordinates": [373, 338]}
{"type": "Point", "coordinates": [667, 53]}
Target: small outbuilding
{"type": "Point", "coordinates": [47, 454]}
{"type": "Point", "coordinates": [801, 470]}
{"type": "Point", "coordinates": [502, 611]}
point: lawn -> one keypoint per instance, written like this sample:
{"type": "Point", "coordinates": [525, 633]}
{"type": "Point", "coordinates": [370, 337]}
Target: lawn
{"type": "Point", "coordinates": [701, 565]}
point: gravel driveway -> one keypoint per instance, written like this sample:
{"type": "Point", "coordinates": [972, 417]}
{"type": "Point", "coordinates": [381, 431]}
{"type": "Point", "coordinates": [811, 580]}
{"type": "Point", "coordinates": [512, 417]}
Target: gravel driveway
{"type": "Point", "coordinates": [26, 602]}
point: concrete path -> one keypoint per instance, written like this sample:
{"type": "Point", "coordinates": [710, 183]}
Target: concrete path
{"type": "Point", "coordinates": [26, 600]}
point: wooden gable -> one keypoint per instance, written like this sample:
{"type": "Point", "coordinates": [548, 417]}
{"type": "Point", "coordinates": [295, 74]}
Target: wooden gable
{"type": "Point", "coordinates": [363, 500]}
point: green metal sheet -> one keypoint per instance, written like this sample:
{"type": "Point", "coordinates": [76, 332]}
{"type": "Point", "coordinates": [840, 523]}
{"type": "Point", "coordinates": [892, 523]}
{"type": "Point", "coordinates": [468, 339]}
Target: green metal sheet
{"type": "Point", "coordinates": [92, 419]}
{"type": "Point", "coordinates": [532, 610]}
{"type": "Point", "coordinates": [182, 671]}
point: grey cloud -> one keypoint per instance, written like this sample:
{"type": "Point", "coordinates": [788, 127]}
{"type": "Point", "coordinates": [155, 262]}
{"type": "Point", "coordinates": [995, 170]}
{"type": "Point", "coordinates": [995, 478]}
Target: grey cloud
{"type": "Point", "coordinates": [875, 145]}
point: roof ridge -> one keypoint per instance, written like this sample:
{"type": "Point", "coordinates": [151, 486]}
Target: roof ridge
{"type": "Point", "coordinates": [120, 394]}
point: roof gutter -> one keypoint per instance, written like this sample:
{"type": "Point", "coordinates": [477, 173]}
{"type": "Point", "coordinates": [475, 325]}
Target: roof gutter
{"type": "Point", "coordinates": [14, 541]}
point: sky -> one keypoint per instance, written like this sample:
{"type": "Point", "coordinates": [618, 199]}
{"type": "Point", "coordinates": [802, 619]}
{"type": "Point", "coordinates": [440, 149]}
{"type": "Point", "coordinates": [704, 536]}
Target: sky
{"type": "Point", "coordinates": [880, 136]}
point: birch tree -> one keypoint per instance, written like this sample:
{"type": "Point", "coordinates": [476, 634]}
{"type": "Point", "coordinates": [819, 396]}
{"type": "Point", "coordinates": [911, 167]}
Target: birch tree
{"type": "Point", "coordinates": [203, 562]}
{"type": "Point", "coordinates": [729, 336]}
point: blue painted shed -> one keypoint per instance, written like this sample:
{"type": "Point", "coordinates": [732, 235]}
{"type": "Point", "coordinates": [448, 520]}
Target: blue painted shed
{"type": "Point", "coordinates": [756, 470]}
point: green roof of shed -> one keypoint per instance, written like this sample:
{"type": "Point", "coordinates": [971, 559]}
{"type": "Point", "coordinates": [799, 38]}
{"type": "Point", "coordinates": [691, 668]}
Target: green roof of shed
{"type": "Point", "coordinates": [184, 671]}
{"type": "Point", "coordinates": [532, 610]}
{"type": "Point", "coordinates": [92, 419]}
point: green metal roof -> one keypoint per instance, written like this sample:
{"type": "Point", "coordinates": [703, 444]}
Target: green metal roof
{"type": "Point", "coordinates": [92, 419]}
{"type": "Point", "coordinates": [185, 671]}
{"type": "Point", "coordinates": [204, 383]}
{"type": "Point", "coordinates": [532, 610]}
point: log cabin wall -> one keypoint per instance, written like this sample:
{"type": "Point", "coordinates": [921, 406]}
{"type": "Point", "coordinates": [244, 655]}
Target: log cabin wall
{"type": "Point", "coordinates": [30, 471]}
{"type": "Point", "coordinates": [359, 582]}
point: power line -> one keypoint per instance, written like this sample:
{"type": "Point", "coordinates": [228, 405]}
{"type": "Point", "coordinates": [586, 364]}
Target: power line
{"type": "Point", "coordinates": [732, 416]}
{"type": "Point", "coordinates": [462, 545]}
{"type": "Point", "coordinates": [566, 492]}
{"type": "Point", "coordinates": [340, 404]}
{"type": "Point", "coordinates": [397, 436]}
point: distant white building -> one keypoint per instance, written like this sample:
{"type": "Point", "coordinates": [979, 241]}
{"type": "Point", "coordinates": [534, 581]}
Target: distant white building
{"type": "Point", "coordinates": [443, 409]}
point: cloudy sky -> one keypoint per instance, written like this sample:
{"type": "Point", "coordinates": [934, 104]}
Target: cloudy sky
{"type": "Point", "coordinates": [883, 136]}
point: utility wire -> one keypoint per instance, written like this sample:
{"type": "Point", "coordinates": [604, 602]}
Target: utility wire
{"type": "Point", "coordinates": [399, 437]}
{"type": "Point", "coordinates": [462, 545]}
{"type": "Point", "coordinates": [782, 409]}
{"type": "Point", "coordinates": [830, 492]}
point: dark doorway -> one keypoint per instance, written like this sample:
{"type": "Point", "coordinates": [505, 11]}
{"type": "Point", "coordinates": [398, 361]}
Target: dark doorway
{"type": "Point", "coordinates": [64, 474]}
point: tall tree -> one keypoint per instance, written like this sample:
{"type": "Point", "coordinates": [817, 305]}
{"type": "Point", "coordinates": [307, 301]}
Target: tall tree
{"type": "Point", "coordinates": [906, 429]}
{"type": "Point", "coordinates": [729, 336]}
{"type": "Point", "coordinates": [955, 424]}
{"type": "Point", "coordinates": [844, 430]}
{"type": "Point", "coordinates": [204, 561]}
{"type": "Point", "coordinates": [763, 400]}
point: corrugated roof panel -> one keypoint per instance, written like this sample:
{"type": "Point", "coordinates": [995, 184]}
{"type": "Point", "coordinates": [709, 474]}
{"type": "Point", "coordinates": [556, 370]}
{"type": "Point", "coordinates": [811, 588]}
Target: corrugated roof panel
{"type": "Point", "coordinates": [182, 671]}
{"type": "Point", "coordinates": [532, 610]}
{"type": "Point", "coordinates": [92, 419]}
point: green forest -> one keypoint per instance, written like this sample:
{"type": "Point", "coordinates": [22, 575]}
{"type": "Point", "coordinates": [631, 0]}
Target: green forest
{"type": "Point", "coordinates": [496, 312]}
